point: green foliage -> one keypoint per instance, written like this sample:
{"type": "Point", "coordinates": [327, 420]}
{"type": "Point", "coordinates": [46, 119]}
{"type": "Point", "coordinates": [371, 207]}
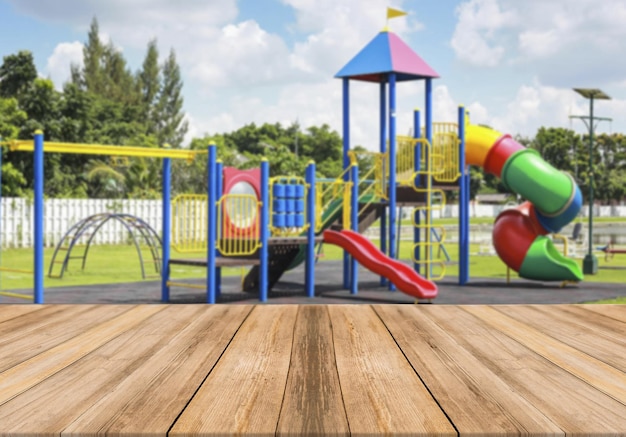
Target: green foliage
{"type": "Point", "coordinates": [17, 72]}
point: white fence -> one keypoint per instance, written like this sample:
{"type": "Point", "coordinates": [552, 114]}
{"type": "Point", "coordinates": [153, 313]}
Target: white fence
{"type": "Point", "coordinates": [16, 217]}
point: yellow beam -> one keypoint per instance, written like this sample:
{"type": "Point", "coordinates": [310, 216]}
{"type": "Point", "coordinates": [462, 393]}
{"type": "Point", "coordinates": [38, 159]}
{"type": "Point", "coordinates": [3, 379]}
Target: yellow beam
{"type": "Point", "coordinates": [99, 149]}
{"type": "Point", "coordinates": [7, 269]}
{"type": "Point", "coordinates": [16, 295]}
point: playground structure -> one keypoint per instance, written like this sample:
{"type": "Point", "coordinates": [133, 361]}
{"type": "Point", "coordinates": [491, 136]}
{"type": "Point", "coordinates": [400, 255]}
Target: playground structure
{"type": "Point", "coordinates": [82, 233]}
{"type": "Point", "coordinates": [274, 224]}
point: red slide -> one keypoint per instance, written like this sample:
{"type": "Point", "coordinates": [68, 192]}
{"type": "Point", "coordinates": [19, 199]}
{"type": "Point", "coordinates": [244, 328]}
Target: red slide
{"type": "Point", "coordinates": [368, 255]}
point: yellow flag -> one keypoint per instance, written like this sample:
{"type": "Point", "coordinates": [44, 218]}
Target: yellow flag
{"type": "Point", "coordinates": [393, 13]}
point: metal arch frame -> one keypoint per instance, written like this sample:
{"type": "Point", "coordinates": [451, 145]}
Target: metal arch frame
{"type": "Point", "coordinates": [130, 222]}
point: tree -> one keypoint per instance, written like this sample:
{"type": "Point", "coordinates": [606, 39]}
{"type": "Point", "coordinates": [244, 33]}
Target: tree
{"type": "Point", "coordinates": [150, 85]}
{"type": "Point", "coordinates": [171, 125]}
{"type": "Point", "coordinates": [17, 73]}
{"type": "Point", "coordinates": [92, 75]}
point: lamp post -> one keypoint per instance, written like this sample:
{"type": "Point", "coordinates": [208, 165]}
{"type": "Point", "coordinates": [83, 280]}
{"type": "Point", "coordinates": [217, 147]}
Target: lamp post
{"type": "Point", "coordinates": [590, 263]}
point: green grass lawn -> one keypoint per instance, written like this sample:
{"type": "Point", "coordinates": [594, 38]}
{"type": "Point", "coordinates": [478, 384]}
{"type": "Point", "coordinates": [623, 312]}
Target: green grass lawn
{"type": "Point", "coordinates": [117, 264]}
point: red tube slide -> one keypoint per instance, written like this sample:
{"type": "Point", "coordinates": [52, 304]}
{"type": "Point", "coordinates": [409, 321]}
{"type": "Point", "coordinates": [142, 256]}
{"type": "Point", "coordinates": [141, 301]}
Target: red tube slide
{"type": "Point", "coordinates": [368, 255]}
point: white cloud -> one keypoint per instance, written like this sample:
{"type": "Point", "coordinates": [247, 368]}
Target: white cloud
{"type": "Point", "coordinates": [64, 55]}
{"type": "Point", "coordinates": [474, 40]}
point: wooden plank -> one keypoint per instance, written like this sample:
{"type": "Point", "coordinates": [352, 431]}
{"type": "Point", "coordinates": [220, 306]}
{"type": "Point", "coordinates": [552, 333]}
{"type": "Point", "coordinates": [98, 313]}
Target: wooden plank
{"type": "Point", "coordinates": [8, 312]}
{"type": "Point", "coordinates": [313, 405]}
{"type": "Point", "coordinates": [575, 406]}
{"type": "Point", "coordinates": [52, 331]}
{"type": "Point", "coordinates": [31, 322]}
{"type": "Point", "coordinates": [28, 373]}
{"type": "Point", "coordinates": [66, 395]}
{"type": "Point", "coordinates": [475, 398]}
{"type": "Point", "coordinates": [604, 377]}
{"type": "Point", "coordinates": [617, 312]}
{"type": "Point", "coordinates": [149, 399]}
{"type": "Point", "coordinates": [381, 392]}
{"type": "Point", "coordinates": [577, 328]}
{"type": "Point", "coordinates": [244, 392]}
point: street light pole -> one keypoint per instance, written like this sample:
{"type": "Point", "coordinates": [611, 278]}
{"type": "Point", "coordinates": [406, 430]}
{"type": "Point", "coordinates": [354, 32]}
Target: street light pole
{"type": "Point", "coordinates": [590, 262]}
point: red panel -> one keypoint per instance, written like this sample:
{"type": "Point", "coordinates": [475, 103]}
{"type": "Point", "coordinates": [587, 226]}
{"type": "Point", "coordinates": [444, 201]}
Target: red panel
{"type": "Point", "coordinates": [368, 255]}
{"type": "Point", "coordinates": [231, 177]}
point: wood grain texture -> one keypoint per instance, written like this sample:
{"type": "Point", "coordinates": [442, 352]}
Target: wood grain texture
{"type": "Point", "coordinates": [67, 394]}
{"type": "Point", "coordinates": [575, 406]}
{"type": "Point", "coordinates": [474, 397]}
{"type": "Point", "coordinates": [28, 373]}
{"type": "Point", "coordinates": [313, 405]}
{"type": "Point", "coordinates": [576, 329]}
{"type": "Point", "coordinates": [617, 312]}
{"type": "Point", "coordinates": [53, 330]}
{"type": "Point", "coordinates": [8, 312]}
{"type": "Point", "coordinates": [382, 394]}
{"type": "Point", "coordinates": [604, 377]}
{"type": "Point", "coordinates": [244, 392]}
{"type": "Point", "coordinates": [150, 399]}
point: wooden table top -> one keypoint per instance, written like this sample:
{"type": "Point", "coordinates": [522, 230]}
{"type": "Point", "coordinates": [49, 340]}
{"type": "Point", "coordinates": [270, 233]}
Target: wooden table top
{"type": "Point", "coordinates": [312, 370]}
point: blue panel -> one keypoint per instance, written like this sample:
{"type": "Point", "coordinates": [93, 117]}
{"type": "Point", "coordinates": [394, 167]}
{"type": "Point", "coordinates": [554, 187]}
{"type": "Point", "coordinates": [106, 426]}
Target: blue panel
{"type": "Point", "coordinates": [278, 190]}
{"type": "Point", "coordinates": [279, 220]}
{"type": "Point", "coordinates": [280, 205]}
{"type": "Point", "coordinates": [300, 205]}
{"type": "Point", "coordinates": [299, 220]}
{"type": "Point", "coordinates": [291, 220]}
{"type": "Point", "coordinates": [290, 191]}
{"type": "Point", "coordinates": [291, 205]}
{"type": "Point", "coordinates": [299, 191]}
{"type": "Point", "coordinates": [374, 58]}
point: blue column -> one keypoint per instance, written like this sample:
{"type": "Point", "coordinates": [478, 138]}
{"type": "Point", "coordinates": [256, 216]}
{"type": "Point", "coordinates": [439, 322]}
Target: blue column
{"type": "Point", "coordinates": [463, 204]}
{"type": "Point", "coordinates": [265, 231]}
{"type": "Point", "coordinates": [383, 149]}
{"type": "Point", "coordinates": [429, 137]}
{"type": "Point", "coordinates": [211, 225]}
{"type": "Point", "coordinates": [309, 272]}
{"type": "Point", "coordinates": [346, 164]}
{"type": "Point", "coordinates": [166, 229]}
{"type": "Point", "coordinates": [417, 157]}
{"type": "Point", "coordinates": [39, 181]}
{"type": "Point", "coordinates": [392, 169]}
{"type": "Point", "coordinates": [219, 172]}
{"type": "Point", "coordinates": [354, 222]}
{"type": "Point", "coordinates": [0, 206]}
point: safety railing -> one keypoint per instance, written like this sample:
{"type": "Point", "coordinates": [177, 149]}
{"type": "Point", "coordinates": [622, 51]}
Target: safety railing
{"type": "Point", "coordinates": [405, 160]}
{"type": "Point", "coordinates": [288, 206]}
{"type": "Point", "coordinates": [238, 224]}
{"type": "Point", "coordinates": [189, 223]}
{"type": "Point", "coordinates": [330, 198]}
{"type": "Point", "coordinates": [446, 147]}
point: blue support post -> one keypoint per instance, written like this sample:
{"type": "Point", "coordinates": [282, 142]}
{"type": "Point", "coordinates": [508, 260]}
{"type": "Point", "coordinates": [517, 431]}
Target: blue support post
{"type": "Point", "coordinates": [383, 149]}
{"type": "Point", "coordinates": [429, 137]}
{"type": "Point", "coordinates": [0, 207]}
{"type": "Point", "coordinates": [166, 229]}
{"type": "Point", "coordinates": [265, 231]}
{"type": "Point", "coordinates": [463, 204]}
{"type": "Point", "coordinates": [346, 164]}
{"type": "Point", "coordinates": [309, 273]}
{"type": "Point", "coordinates": [417, 164]}
{"type": "Point", "coordinates": [219, 172]}
{"type": "Point", "coordinates": [39, 180]}
{"type": "Point", "coordinates": [392, 169]}
{"type": "Point", "coordinates": [354, 222]}
{"type": "Point", "coordinates": [211, 225]}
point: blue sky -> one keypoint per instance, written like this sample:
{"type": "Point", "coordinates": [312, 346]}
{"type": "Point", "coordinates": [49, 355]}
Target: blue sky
{"type": "Point", "coordinates": [512, 63]}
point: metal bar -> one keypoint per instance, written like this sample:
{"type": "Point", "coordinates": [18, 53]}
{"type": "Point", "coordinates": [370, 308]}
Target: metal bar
{"type": "Point", "coordinates": [185, 285]}
{"type": "Point", "coordinates": [38, 231]}
{"type": "Point", "coordinates": [309, 273]}
{"type": "Point", "coordinates": [463, 204]}
{"type": "Point", "coordinates": [354, 221]}
{"type": "Point", "coordinates": [211, 225]}
{"type": "Point", "coordinates": [392, 169]}
{"type": "Point", "coordinates": [0, 208]}
{"type": "Point", "coordinates": [166, 225]}
{"type": "Point", "coordinates": [98, 149]}
{"type": "Point", "coordinates": [417, 162]}
{"type": "Point", "coordinates": [264, 231]}
{"type": "Point", "coordinates": [219, 172]}
{"type": "Point", "coordinates": [383, 150]}
{"type": "Point", "coordinates": [429, 178]}
{"type": "Point", "coordinates": [10, 270]}
{"type": "Point", "coordinates": [346, 164]}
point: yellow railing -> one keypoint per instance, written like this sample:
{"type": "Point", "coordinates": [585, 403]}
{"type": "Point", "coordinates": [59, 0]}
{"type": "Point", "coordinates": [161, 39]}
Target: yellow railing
{"type": "Point", "coordinates": [238, 224]}
{"type": "Point", "coordinates": [446, 147]}
{"type": "Point", "coordinates": [330, 197]}
{"type": "Point", "coordinates": [189, 223]}
{"type": "Point", "coordinates": [426, 245]}
{"type": "Point", "coordinates": [405, 160]}
{"type": "Point", "coordinates": [293, 230]}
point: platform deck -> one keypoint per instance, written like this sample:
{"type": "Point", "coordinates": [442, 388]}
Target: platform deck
{"type": "Point", "coordinates": [312, 370]}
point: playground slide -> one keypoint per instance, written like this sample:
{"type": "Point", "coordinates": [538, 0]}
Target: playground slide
{"type": "Point", "coordinates": [553, 200]}
{"type": "Point", "coordinates": [368, 255]}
